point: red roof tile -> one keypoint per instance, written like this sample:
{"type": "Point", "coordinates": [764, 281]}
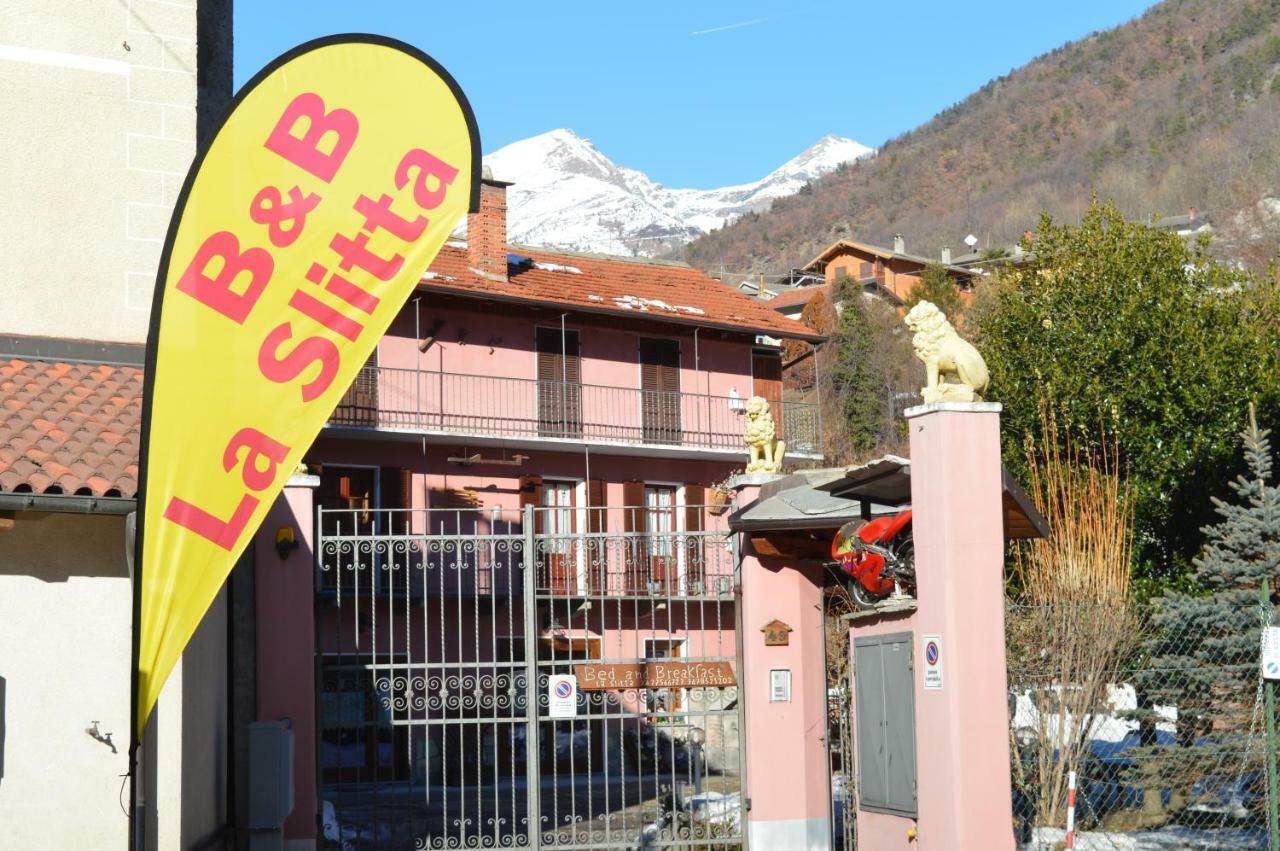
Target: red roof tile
{"type": "Point", "coordinates": [664, 291]}
{"type": "Point", "coordinates": [69, 428]}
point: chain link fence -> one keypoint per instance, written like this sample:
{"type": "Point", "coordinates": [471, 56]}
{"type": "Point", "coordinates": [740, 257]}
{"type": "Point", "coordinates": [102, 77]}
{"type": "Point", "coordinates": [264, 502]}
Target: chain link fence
{"type": "Point", "coordinates": [1163, 719]}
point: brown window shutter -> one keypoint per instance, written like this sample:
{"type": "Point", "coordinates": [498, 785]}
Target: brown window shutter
{"type": "Point", "coordinates": [597, 553]}
{"type": "Point", "coordinates": [531, 494]}
{"type": "Point", "coordinates": [396, 491]}
{"type": "Point", "coordinates": [633, 500]}
{"type": "Point", "coordinates": [766, 381]}
{"type": "Point", "coordinates": [695, 499]}
{"type": "Point", "coordinates": [637, 552]}
{"type": "Point", "coordinates": [595, 505]}
{"type": "Point", "coordinates": [648, 374]}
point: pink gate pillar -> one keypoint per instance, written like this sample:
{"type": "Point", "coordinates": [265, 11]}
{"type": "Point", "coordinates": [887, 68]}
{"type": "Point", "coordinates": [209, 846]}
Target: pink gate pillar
{"type": "Point", "coordinates": [962, 728]}
{"type": "Point", "coordinates": [285, 623]}
{"type": "Point", "coordinates": [784, 740]}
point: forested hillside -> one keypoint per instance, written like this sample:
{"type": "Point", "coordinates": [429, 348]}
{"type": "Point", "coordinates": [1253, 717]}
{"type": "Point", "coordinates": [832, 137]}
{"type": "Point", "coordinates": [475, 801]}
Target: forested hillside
{"type": "Point", "coordinates": [1176, 109]}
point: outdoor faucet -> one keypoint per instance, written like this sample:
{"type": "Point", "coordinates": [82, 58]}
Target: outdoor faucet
{"type": "Point", "coordinates": [106, 740]}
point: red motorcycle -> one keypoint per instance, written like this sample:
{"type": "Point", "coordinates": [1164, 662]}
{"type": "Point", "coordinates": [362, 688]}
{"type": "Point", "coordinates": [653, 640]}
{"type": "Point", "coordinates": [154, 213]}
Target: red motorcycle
{"type": "Point", "coordinates": [876, 556]}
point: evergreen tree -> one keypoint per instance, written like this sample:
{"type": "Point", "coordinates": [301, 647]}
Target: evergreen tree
{"type": "Point", "coordinates": [1204, 659]}
{"type": "Point", "coordinates": [1119, 321]}
{"type": "Point", "coordinates": [854, 385]}
{"type": "Point", "coordinates": [937, 286]}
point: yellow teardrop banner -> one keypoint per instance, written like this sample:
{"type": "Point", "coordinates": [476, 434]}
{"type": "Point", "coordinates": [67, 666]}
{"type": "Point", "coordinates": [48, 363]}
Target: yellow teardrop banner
{"type": "Point", "coordinates": [300, 232]}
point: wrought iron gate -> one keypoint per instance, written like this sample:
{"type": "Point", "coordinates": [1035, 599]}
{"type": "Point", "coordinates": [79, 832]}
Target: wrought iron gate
{"type": "Point", "coordinates": [438, 632]}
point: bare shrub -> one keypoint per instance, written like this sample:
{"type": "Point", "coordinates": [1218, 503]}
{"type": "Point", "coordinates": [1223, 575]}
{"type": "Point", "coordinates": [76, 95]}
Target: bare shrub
{"type": "Point", "coordinates": [1073, 625]}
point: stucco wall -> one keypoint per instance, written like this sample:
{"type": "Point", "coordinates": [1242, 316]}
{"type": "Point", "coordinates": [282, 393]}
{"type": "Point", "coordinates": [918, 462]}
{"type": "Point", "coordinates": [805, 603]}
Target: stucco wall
{"type": "Point", "coordinates": [64, 627]}
{"type": "Point", "coordinates": [475, 342]}
{"type": "Point", "coordinates": [99, 100]}
{"type": "Point", "coordinates": [65, 604]}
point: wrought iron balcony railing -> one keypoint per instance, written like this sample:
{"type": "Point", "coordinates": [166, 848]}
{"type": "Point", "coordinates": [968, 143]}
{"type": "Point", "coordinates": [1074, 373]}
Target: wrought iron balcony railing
{"type": "Point", "coordinates": [388, 398]}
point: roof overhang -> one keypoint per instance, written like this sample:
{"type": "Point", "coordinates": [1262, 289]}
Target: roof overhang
{"type": "Point", "coordinates": [671, 318]}
{"type": "Point", "coordinates": [829, 498]}
{"type": "Point", "coordinates": [884, 253]}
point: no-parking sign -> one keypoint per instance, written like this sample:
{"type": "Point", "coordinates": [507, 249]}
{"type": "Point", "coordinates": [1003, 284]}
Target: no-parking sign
{"type": "Point", "coordinates": [933, 661]}
{"type": "Point", "coordinates": [562, 696]}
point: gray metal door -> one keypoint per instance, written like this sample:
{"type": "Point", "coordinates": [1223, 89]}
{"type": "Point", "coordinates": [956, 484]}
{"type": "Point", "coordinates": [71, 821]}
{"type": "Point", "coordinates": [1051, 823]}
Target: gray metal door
{"type": "Point", "coordinates": [439, 633]}
{"type": "Point", "coordinates": [884, 715]}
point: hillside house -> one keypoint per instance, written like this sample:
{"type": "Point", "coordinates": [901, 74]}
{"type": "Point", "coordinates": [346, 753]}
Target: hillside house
{"type": "Point", "coordinates": [887, 273]}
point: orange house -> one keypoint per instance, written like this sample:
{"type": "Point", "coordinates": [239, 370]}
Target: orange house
{"type": "Point", "coordinates": [890, 274]}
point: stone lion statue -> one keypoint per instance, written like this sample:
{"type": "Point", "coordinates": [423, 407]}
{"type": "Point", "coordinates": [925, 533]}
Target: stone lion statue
{"type": "Point", "coordinates": [766, 453]}
{"type": "Point", "coordinates": [946, 355]}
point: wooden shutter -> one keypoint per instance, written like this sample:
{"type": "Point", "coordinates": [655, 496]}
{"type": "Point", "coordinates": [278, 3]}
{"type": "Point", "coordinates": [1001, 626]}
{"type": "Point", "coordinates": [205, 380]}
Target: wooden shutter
{"type": "Point", "coordinates": [557, 362]}
{"type": "Point", "coordinates": [531, 494]}
{"type": "Point", "coordinates": [633, 498]}
{"type": "Point", "coordinates": [559, 377]}
{"type": "Point", "coordinates": [595, 504]}
{"type": "Point", "coordinates": [660, 390]}
{"type": "Point", "coordinates": [635, 520]}
{"type": "Point", "coordinates": [766, 381]}
{"type": "Point", "coordinates": [660, 364]}
{"type": "Point", "coordinates": [396, 491]}
{"type": "Point", "coordinates": [597, 552]}
{"type": "Point", "coordinates": [695, 498]}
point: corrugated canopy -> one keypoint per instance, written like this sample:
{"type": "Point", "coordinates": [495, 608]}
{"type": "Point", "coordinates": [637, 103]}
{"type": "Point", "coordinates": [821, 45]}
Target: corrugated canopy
{"type": "Point", "coordinates": [829, 498]}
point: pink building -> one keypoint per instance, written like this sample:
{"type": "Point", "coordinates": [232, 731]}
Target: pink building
{"type": "Point", "coordinates": [516, 489]}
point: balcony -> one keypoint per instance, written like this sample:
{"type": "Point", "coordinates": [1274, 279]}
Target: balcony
{"type": "Point", "coordinates": [519, 411]}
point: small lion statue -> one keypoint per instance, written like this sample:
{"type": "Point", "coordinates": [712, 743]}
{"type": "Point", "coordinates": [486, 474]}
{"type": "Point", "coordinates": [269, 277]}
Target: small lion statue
{"type": "Point", "coordinates": [766, 453]}
{"type": "Point", "coordinates": [946, 354]}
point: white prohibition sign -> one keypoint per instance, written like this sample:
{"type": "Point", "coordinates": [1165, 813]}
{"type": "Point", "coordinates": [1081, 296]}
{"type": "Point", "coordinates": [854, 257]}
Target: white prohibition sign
{"type": "Point", "coordinates": [562, 696]}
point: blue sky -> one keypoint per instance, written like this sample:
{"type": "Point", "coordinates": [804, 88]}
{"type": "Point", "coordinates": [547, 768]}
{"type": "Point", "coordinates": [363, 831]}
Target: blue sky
{"type": "Point", "coordinates": [703, 93]}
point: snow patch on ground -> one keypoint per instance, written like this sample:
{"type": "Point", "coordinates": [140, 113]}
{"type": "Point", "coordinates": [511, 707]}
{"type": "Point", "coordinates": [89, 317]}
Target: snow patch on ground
{"type": "Point", "coordinates": [1169, 838]}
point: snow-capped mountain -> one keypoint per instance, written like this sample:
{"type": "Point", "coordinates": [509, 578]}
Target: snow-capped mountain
{"type": "Point", "coordinates": [569, 195]}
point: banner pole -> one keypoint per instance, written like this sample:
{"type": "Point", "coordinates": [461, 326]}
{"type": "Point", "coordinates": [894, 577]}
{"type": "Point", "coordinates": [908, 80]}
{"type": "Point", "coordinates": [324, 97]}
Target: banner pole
{"type": "Point", "coordinates": [135, 816]}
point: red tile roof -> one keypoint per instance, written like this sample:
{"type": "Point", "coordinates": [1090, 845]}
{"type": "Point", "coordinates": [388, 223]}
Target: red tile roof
{"type": "Point", "coordinates": [664, 291]}
{"type": "Point", "coordinates": [69, 428]}
{"type": "Point", "coordinates": [74, 428]}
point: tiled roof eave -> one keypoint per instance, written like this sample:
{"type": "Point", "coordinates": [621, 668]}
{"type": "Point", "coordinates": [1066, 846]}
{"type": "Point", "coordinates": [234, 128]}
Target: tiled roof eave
{"type": "Point", "coordinates": [746, 327]}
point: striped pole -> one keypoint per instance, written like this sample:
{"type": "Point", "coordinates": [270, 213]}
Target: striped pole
{"type": "Point", "coordinates": [1071, 810]}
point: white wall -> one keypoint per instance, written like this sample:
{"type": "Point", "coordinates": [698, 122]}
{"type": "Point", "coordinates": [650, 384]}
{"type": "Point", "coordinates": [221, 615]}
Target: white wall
{"type": "Point", "coordinates": [64, 657]}
{"type": "Point", "coordinates": [97, 138]}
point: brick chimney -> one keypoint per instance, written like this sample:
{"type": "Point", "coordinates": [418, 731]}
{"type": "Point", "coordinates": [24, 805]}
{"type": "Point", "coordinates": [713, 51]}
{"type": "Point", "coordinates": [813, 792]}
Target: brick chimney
{"type": "Point", "coordinates": [487, 229]}
{"type": "Point", "coordinates": [899, 244]}
{"type": "Point", "coordinates": [946, 255]}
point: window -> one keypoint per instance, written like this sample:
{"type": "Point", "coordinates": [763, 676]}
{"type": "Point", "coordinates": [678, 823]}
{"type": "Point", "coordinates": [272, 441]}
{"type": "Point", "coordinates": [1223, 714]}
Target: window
{"type": "Point", "coordinates": [559, 382]}
{"type": "Point", "coordinates": [360, 502]}
{"type": "Point", "coordinates": [563, 542]}
{"type": "Point", "coordinates": [886, 724]}
{"type": "Point", "coordinates": [358, 743]}
{"type": "Point", "coordinates": [660, 523]}
{"type": "Point", "coordinates": [359, 405]}
{"type": "Point", "coordinates": [660, 390]}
